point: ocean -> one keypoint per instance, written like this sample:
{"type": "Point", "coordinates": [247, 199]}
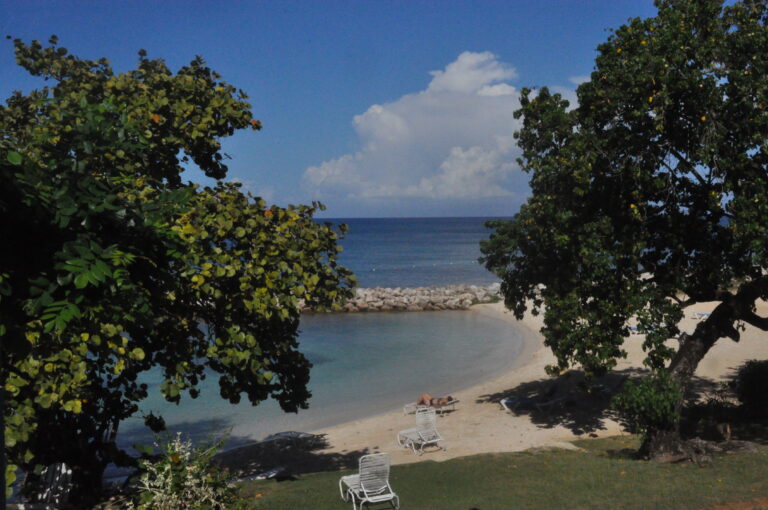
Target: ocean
{"type": "Point", "coordinates": [415, 252]}
{"type": "Point", "coordinates": [366, 364]}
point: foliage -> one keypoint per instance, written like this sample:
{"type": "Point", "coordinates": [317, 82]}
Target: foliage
{"type": "Point", "coordinates": [651, 404]}
{"type": "Point", "coordinates": [181, 477]}
{"type": "Point", "coordinates": [115, 262]}
{"type": "Point", "coordinates": [750, 384]}
{"type": "Point", "coordinates": [649, 195]}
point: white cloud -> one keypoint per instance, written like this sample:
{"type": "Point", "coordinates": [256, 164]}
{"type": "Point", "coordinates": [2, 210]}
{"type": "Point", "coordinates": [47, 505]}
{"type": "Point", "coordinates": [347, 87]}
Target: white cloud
{"type": "Point", "coordinates": [469, 73]}
{"type": "Point", "coordinates": [452, 140]}
{"type": "Point", "coordinates": [578, 80]}
{"type": "Point", "coordinates": [469, 172]}
{"type": "Point", "coordinates": [265, 192]}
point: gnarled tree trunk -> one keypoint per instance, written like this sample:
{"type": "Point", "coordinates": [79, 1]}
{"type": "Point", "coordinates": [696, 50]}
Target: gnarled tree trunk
{"type": "Point", "coordinates": [693, 347]}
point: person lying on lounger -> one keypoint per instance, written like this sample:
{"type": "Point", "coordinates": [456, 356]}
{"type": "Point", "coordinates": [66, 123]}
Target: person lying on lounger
{"type": "Point", "coordinates": [427, 400]}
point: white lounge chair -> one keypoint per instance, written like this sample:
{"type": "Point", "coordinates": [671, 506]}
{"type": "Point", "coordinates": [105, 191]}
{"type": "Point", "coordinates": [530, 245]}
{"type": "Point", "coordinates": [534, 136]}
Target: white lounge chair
{"type": "Point", "coordinates": [424, 434]}
{"type": "Point", "coordinates": [53, 490]}
{"type": "Point", "coordinates": [411, 407]}
{"type": "Point", "coordinates": [511, 404]}
{"type": "Point", "coordinates": [371, 483]}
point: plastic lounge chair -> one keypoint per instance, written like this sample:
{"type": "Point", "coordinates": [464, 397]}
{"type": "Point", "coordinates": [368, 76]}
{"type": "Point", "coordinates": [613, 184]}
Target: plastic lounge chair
{"type": "Point", "coordinates": [413, 406]}
{"type": "Point", "coordinates": [512, 404]}
{"type": "Point", "coordinates": [53, 489]}
{"type": "Point", "coordinates": [424, 434]}
{"type": "Point", "coordinates": [371, 483]}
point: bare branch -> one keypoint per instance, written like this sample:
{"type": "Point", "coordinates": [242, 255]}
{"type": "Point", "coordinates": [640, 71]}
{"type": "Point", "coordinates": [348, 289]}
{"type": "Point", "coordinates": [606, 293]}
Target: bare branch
{"type": "Point", "coordinates": [755, 320]}
{"type": "Point", "coordinates": [688, 164]}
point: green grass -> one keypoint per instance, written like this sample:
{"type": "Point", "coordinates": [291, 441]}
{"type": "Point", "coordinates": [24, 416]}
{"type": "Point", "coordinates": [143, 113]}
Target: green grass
{"type": "Point", "coordinates": [602, 476]}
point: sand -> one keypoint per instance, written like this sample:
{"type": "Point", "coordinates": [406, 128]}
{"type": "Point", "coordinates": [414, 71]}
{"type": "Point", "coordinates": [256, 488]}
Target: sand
{"type": "Point", "coordinates": [480, 425]}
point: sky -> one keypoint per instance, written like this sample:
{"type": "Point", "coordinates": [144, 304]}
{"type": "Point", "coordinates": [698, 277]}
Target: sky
{"type": "Point", "coordinates": [375, 108]}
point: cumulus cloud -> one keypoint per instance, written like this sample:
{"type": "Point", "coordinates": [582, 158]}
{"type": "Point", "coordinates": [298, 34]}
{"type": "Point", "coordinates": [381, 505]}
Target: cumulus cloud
{"type": "Point", "coordinates": [265, 192]}
{"type": "Point", "coordinates": [470, 73]}
{"type": "Point", "coordinates": [578, 80]}
{"type": "Point", "coordinates": [452, 140]}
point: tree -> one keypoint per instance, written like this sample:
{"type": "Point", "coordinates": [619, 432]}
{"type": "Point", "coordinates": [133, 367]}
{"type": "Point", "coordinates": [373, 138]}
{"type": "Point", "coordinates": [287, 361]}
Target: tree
{"type": "Point", "coordinates": [649, 196]}
{"type": "Point", "coordinates": [111, 263]}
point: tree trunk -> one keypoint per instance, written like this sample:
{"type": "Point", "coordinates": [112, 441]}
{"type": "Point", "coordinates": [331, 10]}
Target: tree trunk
{"type": "Point", "coordinates": [693, 348]}
{"type": "Point", "coordinates": [3, 459]}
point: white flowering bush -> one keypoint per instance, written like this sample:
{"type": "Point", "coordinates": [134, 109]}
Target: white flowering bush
{"type": "Point", "coordinates": [182, 477]}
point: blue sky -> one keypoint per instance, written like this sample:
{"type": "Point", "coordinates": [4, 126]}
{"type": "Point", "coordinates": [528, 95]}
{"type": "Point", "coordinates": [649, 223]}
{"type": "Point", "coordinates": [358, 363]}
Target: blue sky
{"type": "Point", "coordinates": [376, 108]}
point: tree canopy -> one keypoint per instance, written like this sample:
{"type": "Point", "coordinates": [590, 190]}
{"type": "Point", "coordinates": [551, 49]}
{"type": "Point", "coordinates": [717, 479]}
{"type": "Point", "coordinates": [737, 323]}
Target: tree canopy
{"type": "Point", "coordinates": [647, 196]}
{"type": "Point", "coordinates": [112, 265]}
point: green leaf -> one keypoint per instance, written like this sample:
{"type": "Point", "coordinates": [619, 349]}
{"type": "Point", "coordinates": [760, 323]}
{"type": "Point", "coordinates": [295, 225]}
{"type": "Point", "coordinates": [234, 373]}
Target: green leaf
{"type": "Point", "coordinates": [81, 280]}
{"type": "Point", "coordinates": [14, 158]}
{"type": "Point", "coordinates": [144, 449]}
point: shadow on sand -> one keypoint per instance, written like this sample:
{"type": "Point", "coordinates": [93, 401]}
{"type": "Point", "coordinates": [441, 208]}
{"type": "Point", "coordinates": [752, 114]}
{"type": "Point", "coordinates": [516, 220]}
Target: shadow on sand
{"type": "Point", "coordinates": [281, 456]}
{"type": "Point", "coordinates": [285, 455]}
{"type": "Point", "coordinates": [582, 406]}
{"type": "Point", "coordinates": [568, 400]}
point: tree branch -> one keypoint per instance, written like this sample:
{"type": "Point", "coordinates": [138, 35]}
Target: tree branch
{"type": "Point", "coordinates": [690, 166]}
{"type": "Point", "coordinates": [755, 320]}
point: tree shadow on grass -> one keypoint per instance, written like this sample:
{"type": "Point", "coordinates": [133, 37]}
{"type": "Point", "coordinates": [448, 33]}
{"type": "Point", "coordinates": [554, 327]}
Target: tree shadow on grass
{"type": "Point", "coordinates": [287, 455]}
{"type": "Point", "coordinates": [712, 411]}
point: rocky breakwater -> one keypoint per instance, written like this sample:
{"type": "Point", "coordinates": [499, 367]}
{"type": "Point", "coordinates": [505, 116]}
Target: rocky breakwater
{"type": "Point", "coordinates": [418, 299]}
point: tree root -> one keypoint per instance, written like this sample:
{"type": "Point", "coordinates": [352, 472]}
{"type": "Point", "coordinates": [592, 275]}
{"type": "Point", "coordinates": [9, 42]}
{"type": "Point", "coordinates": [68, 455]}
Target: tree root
{"type": "Point", "coordinates": [700, 451]}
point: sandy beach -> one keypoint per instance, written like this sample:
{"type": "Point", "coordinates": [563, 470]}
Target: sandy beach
{"type": "Point", "coordinates": [480, 425]}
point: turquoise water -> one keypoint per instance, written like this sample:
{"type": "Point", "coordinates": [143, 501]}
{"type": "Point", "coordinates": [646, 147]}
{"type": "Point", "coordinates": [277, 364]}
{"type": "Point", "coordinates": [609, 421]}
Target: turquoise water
{"type": "Point", "coordinates": [365, 364]}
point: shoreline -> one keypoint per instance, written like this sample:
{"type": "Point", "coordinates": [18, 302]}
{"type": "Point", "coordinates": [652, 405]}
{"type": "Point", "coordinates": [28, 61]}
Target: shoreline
{"type": "Point", "coordinates": [479, 425]}
{"type": "Point", "coordinates": [377, 432]}
{"type": "Point", "coordinates": [477, 415]}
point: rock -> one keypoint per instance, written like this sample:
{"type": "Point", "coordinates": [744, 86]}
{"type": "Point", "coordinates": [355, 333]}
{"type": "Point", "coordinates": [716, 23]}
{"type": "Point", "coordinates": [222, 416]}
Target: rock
{"type": "Point", "coordinates": [451, 297]}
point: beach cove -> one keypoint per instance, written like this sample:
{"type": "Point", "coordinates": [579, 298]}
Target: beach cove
{"type": "Point", "coordinates": [364, 364]}
{"type": "Point", "coordinates": [480, 425]}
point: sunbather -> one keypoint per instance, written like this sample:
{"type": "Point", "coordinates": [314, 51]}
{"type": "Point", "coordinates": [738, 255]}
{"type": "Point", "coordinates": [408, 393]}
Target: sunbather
{"type": "Point", "coordinates": [427, 400]}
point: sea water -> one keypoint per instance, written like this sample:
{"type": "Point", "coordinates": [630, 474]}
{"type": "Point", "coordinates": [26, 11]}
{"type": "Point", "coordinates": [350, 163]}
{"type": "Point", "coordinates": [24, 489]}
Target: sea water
{"type": "Point", "coordinates": [366, 364]}
{"type": "Point", "coordinates": [415, 252]}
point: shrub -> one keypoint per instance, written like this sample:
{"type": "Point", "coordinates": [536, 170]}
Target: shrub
{"type": "Point", "coordinates": [650, 404]}
{"type": "Point", "coordinates": [182, 477]}
{"type": "Point", "coordinates": [750, 386]}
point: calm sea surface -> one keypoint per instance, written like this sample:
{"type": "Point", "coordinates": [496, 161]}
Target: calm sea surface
{"type": "Point", "coordinates": [365, 364]}
{"type": "Point", "coordinates": [415, 252]}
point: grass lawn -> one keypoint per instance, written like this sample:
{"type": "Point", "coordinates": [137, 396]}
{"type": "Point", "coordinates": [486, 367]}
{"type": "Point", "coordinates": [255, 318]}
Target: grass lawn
{"type": "Point", "coordinates": [602, 476]}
